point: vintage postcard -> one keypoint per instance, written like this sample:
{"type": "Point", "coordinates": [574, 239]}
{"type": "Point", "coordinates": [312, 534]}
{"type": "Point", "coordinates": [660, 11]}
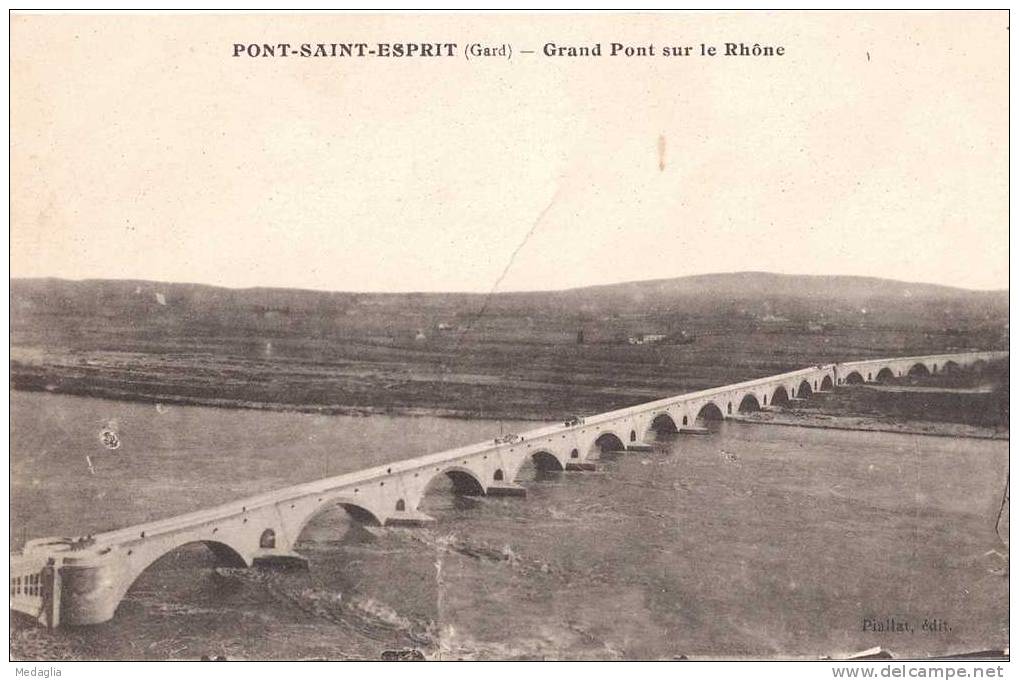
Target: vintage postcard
{"type": "Point", "coordinates": [509, 336]}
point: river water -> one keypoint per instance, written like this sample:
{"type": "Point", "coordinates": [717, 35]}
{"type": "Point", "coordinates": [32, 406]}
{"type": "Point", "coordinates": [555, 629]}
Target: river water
{"type": "Point", "coordinates": [754, 541]}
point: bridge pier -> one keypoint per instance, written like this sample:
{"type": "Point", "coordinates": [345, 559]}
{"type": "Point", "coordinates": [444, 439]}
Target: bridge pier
{"type": "Point", "coordinates": [408, 519]}
{"type": "Point", "coordinates": [288, 560]}
{"type": "Point", "coordinates": [506, 490]}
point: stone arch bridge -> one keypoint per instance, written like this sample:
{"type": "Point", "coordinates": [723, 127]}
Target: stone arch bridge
{"type": "Point", "coordinates": [82, 581]}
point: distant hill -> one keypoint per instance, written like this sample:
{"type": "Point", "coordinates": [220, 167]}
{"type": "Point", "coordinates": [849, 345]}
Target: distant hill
{"type": "Point", "coordinates": [768, 284]}
{"type": "Point", "coordinates": [708, 292]}
{"type": "Point", "coordinates": [755, 293]}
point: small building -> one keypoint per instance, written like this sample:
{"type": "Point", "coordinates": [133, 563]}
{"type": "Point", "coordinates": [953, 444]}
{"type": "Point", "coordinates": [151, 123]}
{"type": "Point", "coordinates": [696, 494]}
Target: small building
{"type": "Point", "coordinates": [646, 338]}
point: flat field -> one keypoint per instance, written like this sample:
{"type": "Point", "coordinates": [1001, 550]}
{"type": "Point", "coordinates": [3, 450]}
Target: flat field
{"type": "Point", "coordinates": [514, 355]}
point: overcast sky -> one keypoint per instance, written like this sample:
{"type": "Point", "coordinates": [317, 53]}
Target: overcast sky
{"type": "Point", "coordinates": [876, 146]}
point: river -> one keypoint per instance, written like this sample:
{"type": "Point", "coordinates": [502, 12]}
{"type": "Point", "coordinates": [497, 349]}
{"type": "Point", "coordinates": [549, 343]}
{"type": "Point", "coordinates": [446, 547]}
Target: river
{"type": "Point", "coordinates": [754, 541]}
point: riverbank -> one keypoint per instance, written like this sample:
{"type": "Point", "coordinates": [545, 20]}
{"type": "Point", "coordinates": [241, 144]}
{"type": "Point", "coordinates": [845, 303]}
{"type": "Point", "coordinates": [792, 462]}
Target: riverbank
{"type": "Point", "coordinates": [964, 404]}
{"type": "Point", "coordinates": [325, 409]}
{"type": "Point", "coordinates": [873, 424]}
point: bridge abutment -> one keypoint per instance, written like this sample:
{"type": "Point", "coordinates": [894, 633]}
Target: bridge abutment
{"type": "Point", "coordinates": [90, 590]}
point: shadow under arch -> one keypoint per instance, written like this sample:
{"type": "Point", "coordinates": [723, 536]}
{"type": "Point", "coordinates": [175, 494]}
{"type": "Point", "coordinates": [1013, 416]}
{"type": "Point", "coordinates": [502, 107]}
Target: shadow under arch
{"type": "Point", "coordinates": [662, 425]}
{"type": "Point", "coordinates": [918, 369]}
{"type": "Point", "coordinates": [545, 461]}
{"type": "Point", "coordinates": [779, 397]}
{"type": "Point", "coordinates": [749, 404]}
{"type": "Point", "coordinates": [709, 416]}
{"type": "Point", "coordinates": [884, 375]}
{"type": "Point", "coordinates": [854, 378]}
{"type": "Point", "coordinates": [193, 556]}
{"type": "Point", "coordinates": [826, 383]}
{"type": "Point", "coordinates": [607, 443]}
{"type": "Point", "coordinates": [465, 482]}
{"type": "Point", "coordinates": [356, 511]}
{"type": "Point", "coordinates": [804, 391]}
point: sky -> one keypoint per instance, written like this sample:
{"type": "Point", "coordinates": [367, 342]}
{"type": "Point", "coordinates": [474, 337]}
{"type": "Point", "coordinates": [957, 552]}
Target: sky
{"type": "Point", "coordinates": [877, 145]}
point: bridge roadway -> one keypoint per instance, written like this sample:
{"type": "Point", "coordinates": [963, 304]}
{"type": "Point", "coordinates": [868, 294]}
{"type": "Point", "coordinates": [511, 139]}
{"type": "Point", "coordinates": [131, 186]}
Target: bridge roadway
{"type": "Point", "coordinates": [60, 580]}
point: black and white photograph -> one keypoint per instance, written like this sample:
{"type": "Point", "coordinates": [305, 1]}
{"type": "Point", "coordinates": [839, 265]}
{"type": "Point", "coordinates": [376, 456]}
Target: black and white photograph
{"type": "Point", "coordinates": [509, 336]}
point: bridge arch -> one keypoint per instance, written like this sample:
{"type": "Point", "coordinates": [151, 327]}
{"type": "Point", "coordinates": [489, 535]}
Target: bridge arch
{"type": "Point", "coordinates": [826, 383]}
{"type": "Point", "coordinates": [465, 481]}
{"type": "Point", "coordinates": [662, 424]}
{"type": "Point", "coordinates": [804, 391]}
{"type": "Point", "coordinates": [854, 378]}
{"type": "Point", "coordinates": [919, 369]}
{"type": "Point", "coordinates": [606, 442]}
{"type": "Point", "coordinates": [223, 554]}
{"type": "Point", "coordinates": [749, 404]}
{"type": "Point", "coordinates": [544, 460]}
{"type": "Point", "coordinates": [779, 397]}
{"type": "Point", "coordinates": [356, 509]}
{"type": "Point", "coordinates": [708, 414]}
{"type": "Point", "coordinates": [886, 374]}
{"type": "Point", "coordinates": [950, 367]}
